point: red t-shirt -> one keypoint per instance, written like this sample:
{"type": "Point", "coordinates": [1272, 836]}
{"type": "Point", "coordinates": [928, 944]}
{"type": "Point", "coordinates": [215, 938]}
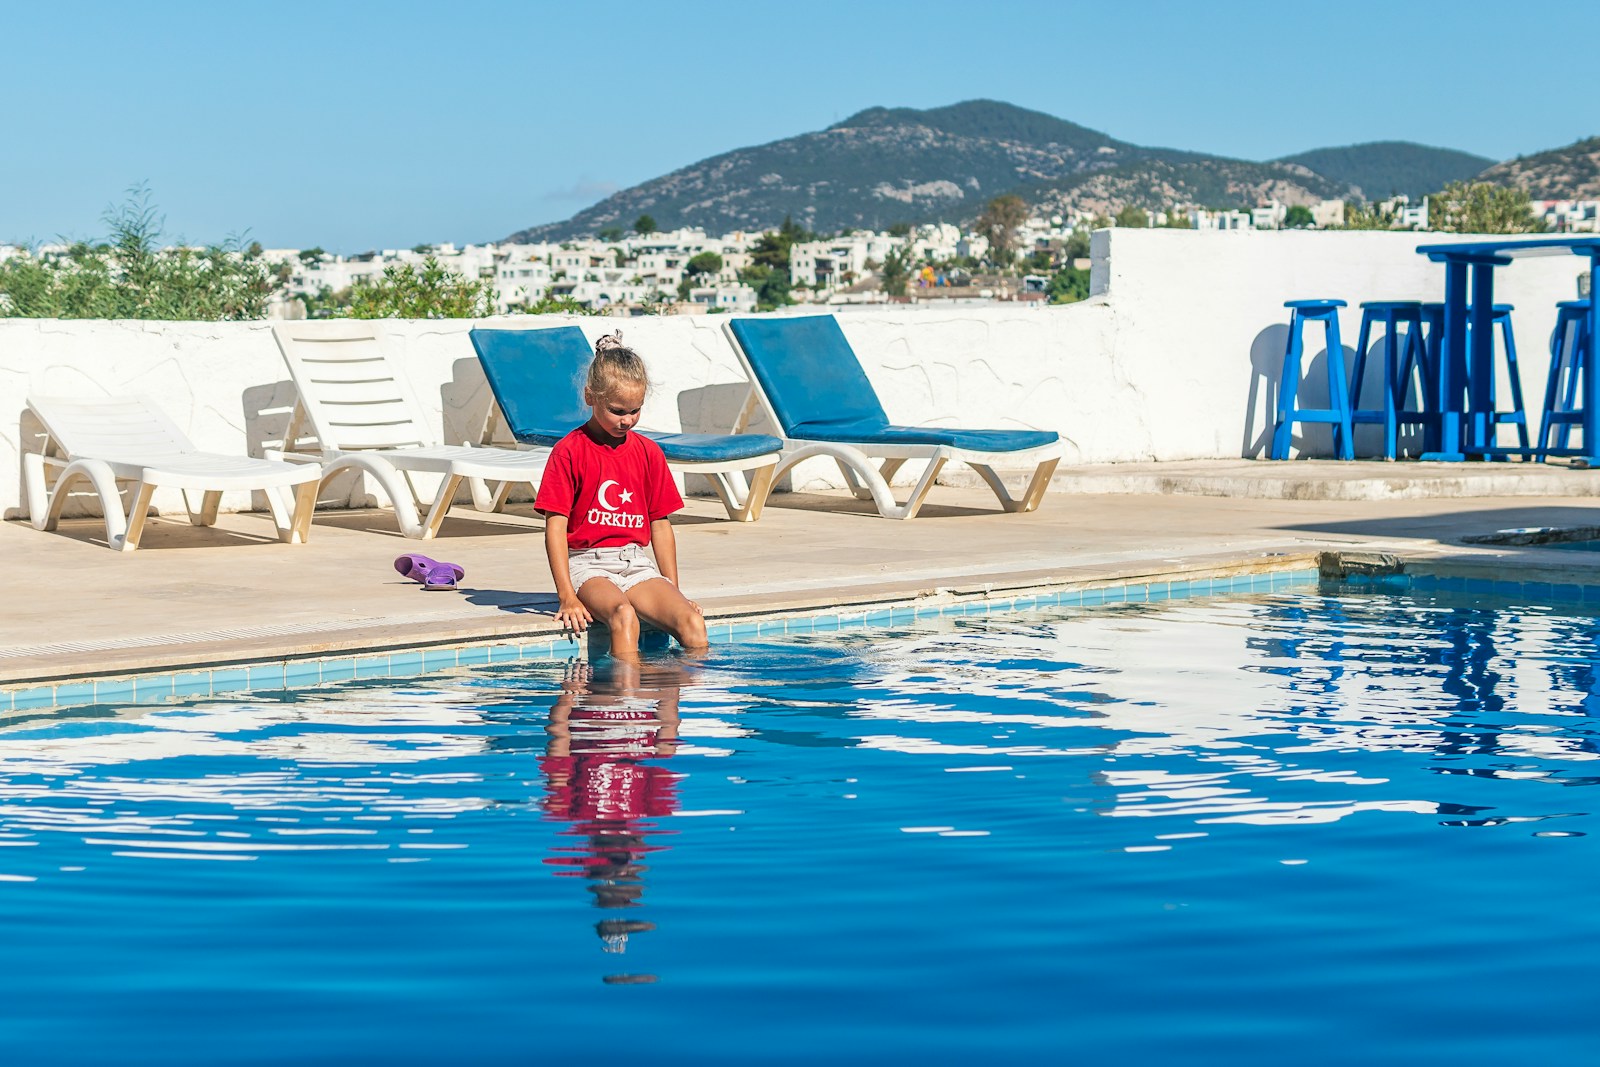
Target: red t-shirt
{"type": "Point", "coordinates": [610, 494]}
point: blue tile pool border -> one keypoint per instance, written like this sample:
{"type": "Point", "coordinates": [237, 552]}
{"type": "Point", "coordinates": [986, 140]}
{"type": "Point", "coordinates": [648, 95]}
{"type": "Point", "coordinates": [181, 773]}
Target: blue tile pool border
{"type": "Point", "coordinates": [192, 681]}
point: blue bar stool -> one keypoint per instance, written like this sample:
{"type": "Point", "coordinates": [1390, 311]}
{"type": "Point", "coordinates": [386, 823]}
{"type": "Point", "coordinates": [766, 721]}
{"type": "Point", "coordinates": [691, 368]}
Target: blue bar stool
{"type": "Point", "coordinates": [1569, 358]}
{"type": "Point", "coordinates": [1433, 322]}
{"type": "Point", "coordinates": [1401, 353]}
{"type": "Point", "coordinates": [1327, 313]}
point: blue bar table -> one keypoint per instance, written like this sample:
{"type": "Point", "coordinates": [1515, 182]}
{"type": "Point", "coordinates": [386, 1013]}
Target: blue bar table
{"type": "Point", "coordinates": [1466, 409]}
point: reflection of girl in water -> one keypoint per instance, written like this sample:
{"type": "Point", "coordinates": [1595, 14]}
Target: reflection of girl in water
{"type": "Point", "coordinates": [608, 729]}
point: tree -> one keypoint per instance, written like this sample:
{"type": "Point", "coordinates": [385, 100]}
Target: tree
{"type": "Point", "coordinates": [896, 273]}
{"type": "Point", "coordinates": [1077, 246]}
{"type": "Point", "coordinates": [312, 255]}
{"type": "Point", "coordinates": [999, 223]}
{"type": "Point", "coordinates": [704, 263]}
{"type": "Point", "coordinates": [1037, 262]}
{"type": "Point", "coordinates": [900, 229]}
{"type": "Point", "coordinates": [1068, 286]}
{"type": "Point", "coordinates": [771, 285]}
{"type": "Point", "coordinates": [644, 224]}
{"type": "Point", "coordinates": [1133, 217]}
{"type": "Point", "coordinates": [1178, 220]}
{"type": "Point", "coordinates": [612, 234]}
{"type": "Point", "coordinates": [1298, 217]}
{"type": "Point", "coordinates": [1482, 207]}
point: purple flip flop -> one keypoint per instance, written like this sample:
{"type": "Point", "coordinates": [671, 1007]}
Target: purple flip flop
{"type": "Point", "coordinates": [431, 573]}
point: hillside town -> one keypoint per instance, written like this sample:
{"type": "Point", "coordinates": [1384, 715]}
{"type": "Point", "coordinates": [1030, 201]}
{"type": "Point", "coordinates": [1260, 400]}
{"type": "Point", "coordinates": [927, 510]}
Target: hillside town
{"type": "Point", "coordinates": [687, 271]}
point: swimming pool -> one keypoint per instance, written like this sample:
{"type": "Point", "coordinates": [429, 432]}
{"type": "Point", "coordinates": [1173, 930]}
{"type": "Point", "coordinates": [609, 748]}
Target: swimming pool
{"type": "Point", "coordinates": [1313, 826]}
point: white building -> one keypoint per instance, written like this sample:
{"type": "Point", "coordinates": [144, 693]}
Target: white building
{"type": "Point", "coordinates": [1269, 216]}
{"type": "Point", "coordinates": [840, 260]}
{"type": "Point", "coordinates": [730, 298]}
{"type": "Point", "coordinates": [935, 243]}
{"type": "Point", "coordinates": [1328, 214]}
{"type": "Point", "coordinates": [1200, 219]}
{"type": "Point", "coordinates": [1566, 216]}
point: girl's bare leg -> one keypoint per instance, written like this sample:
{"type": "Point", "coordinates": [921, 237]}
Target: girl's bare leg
{"type": "Point", "coordinates": [659, 603]}
{"type": "Point", "coordinates": [610, 605]}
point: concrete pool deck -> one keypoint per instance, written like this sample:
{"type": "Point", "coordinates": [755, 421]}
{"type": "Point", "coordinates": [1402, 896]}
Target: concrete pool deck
{"type": "Point", "coordinates": [232, 593]}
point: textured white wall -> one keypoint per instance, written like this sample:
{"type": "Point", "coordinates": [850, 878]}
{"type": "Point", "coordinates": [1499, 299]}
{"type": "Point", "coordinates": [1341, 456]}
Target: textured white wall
{"type": "Point", "coordinates": [1176, 358]}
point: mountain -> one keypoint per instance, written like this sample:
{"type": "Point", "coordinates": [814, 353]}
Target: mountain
{"type": "Point", "coordinates": [1570, 173]}
{"type": "Point", "coordinates": [887, 165]}
{"type": "Point", "coordinates": [1382, 169]}
{"type": "Point", "coordinates": [875, 168]}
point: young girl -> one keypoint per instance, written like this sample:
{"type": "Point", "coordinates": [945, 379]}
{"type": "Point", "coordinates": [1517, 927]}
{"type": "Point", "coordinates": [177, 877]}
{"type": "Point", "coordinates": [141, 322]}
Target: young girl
{"type": "Point", "coordinates": [606, 495]}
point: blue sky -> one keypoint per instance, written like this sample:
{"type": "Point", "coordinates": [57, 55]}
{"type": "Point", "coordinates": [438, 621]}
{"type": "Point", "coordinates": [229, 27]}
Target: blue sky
{"type": "Point", "coordinates": [353, 125]}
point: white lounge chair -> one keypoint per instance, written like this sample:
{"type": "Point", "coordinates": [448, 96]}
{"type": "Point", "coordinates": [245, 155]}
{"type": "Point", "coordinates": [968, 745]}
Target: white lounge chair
{"type": "Point", "coordinates": [807, 378]}
{"type": "Point", "coordinates": [130, 439]}
{"type": "Point", "coordinates": [354, 411]}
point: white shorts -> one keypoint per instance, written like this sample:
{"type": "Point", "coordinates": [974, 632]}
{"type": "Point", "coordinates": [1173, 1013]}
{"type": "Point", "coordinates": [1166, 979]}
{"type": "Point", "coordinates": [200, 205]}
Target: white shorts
{"type": "Point", "coordinates": [624, 567]}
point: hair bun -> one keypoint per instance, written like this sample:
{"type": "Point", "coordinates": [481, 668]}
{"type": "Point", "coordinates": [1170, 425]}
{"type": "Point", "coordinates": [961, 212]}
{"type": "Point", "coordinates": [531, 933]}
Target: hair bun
{"type": "Point", "coordinates": [609, 340]}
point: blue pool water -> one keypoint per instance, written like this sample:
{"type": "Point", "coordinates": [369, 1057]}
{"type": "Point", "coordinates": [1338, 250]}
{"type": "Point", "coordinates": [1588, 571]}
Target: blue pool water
{"type": "Point", "coordinates": [1293, 828]}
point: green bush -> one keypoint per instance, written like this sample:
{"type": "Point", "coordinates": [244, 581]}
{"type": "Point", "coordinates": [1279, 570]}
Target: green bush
{"type": "Point", "coordinates": [426, 292]}
{"type": "Point", "coordinates": [130, 276]}
{"type": "Point", "coordinates": [1068, 286]}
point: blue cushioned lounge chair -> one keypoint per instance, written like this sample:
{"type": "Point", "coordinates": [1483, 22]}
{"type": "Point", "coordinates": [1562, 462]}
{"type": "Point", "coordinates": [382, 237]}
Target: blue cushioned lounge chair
{"type": "Point", "coordinates": [804, 373]}
{"type": "Point", "coordinates": [537, 379]}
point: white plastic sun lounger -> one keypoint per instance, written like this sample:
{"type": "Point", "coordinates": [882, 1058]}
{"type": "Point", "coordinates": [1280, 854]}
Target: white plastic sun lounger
{"type": "Point", "coordinates": [129, 439]}
{"type": "Point", "coordinates": [354, 411]}
{"type": "Point", "coordinates": [807, 378]}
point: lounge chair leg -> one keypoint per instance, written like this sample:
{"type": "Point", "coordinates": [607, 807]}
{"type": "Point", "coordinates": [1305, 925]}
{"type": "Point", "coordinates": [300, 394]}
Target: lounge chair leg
{"type": "Point", "coordinates": [914, 504]}
{"type": "Point", "coordinates": [210, 504]}
{"type": "Point", "coordinates": [861, 491]}
{"type": "Point", "coordinates": [727, 491]}
{"type": "Point", "coordinates": [297, 531]}
{"type": "Point", "coordinates": [488, 496]}
{"type": "Point", "coordinates": [858, 482]}
{"type": "Point", "coordinates": [1030, 498]}
{"type": "Point", "coordinates": [138, 511]}
{"type": "Point", "coordinates": [760, 489]}
{"type": "Point", "coordinates": [105, 487]}
{"type": "Point", "coordinates": [441, 506]}
{"type": "Point", "coordinates": [399, 491]}
{"type": "Point", "coordinates": [1039, 485]}
{"type": "Point", "coordinates": [33, 481]}
{"type": "Point", "coordinates": [279, 505]}
{"type": "Point", "coordinates": [861, 471]}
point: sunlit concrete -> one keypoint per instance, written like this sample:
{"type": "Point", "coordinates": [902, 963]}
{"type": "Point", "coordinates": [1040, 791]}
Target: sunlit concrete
{"type": "Point", "coordinates": [233, 593]}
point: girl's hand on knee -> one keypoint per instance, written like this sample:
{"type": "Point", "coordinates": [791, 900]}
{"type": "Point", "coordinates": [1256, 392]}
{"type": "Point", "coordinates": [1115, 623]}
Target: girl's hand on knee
{"type": "Point", "coordinates": [572, 615]}
{"type": "Point", "coordinates": [695, 604]}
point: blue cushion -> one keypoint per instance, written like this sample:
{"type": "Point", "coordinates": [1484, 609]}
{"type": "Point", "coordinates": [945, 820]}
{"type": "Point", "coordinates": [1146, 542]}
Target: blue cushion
{"type": "Point", "coordinates": [819, 392]}
{"type": "Point", "coordinates": [713, 447]}
{"type": "Point", "coordinates": [538, 376]}
{"type": "Point", "coordinates": [809, 372]}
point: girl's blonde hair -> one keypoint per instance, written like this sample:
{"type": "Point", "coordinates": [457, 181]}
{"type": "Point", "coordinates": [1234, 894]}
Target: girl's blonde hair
{"type": "Point", "coordinates": [614, 364]}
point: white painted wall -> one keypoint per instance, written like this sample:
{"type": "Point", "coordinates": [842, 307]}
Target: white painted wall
{"type": "Point", "coordinates": [1177, 357]}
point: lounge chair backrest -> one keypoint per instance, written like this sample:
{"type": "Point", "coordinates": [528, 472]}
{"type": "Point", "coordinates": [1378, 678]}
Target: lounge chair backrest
{"type": "Point", "coordinates": [350, 389]}
{"type": "Point", "coordinates": [809, 372]}
{"type": "Point", "coordinates": [127, 428]}
{"type": "Point", "coordinates": [537, 377]}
